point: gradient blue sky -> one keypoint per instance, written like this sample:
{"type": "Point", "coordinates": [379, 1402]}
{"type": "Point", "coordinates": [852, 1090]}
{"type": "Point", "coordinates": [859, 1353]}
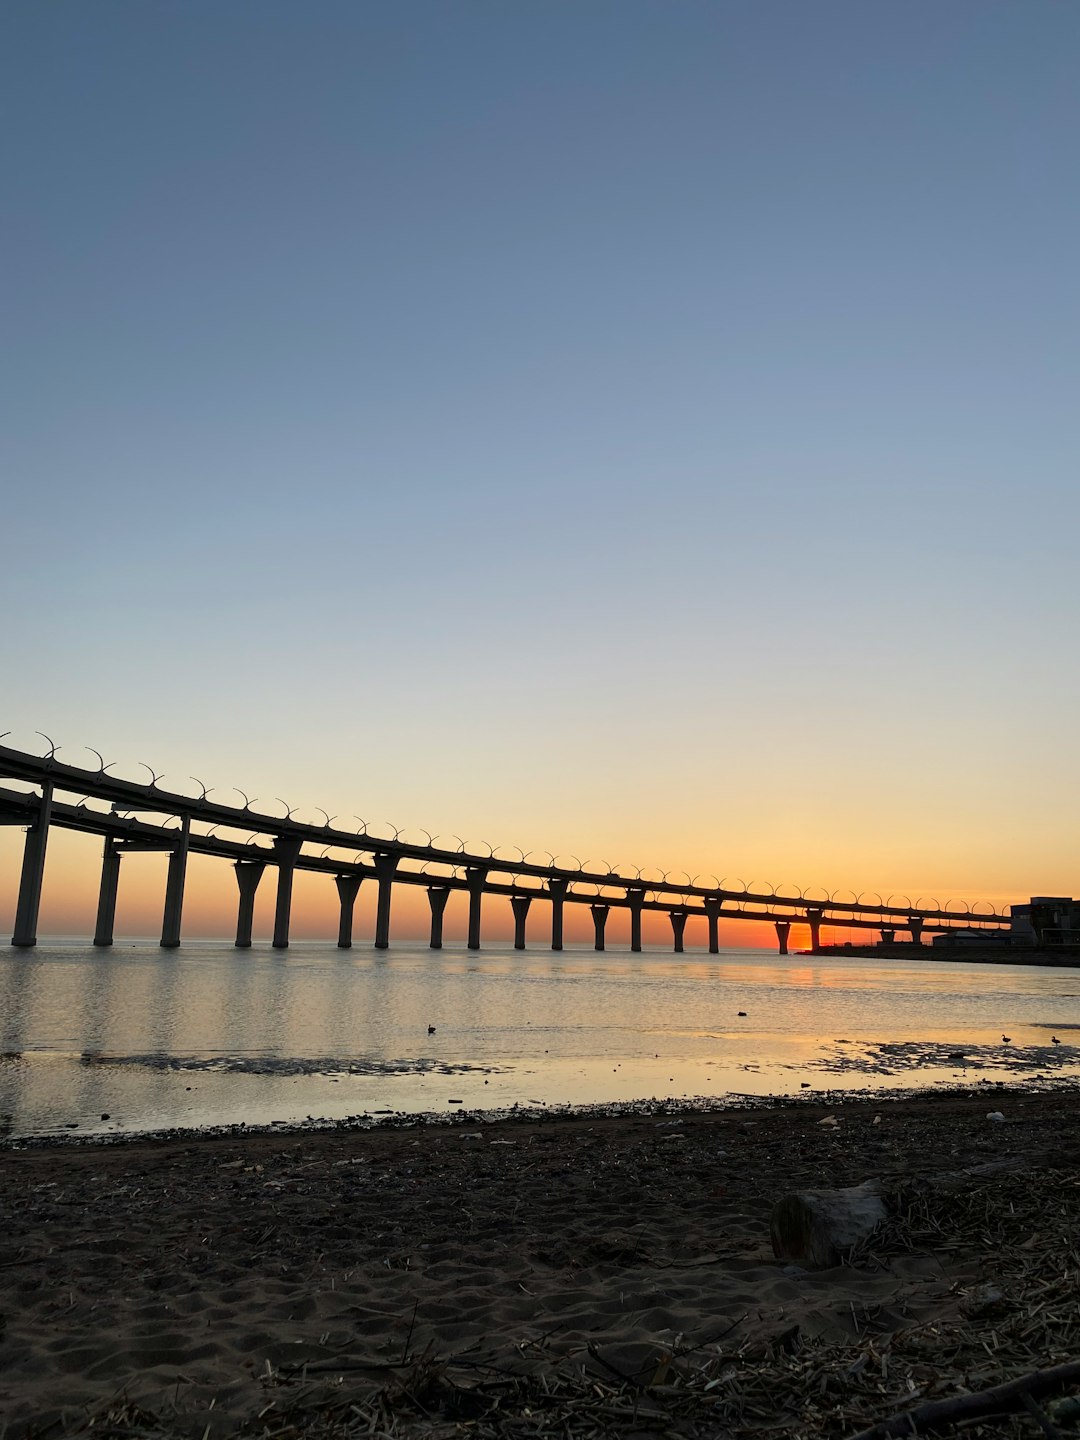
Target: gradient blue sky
{"type": "Point", "coordinates": [644, 430]}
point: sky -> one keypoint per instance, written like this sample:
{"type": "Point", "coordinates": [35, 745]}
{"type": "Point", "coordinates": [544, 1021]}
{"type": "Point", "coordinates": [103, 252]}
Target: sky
{"type": "Point", "coordinates": [631, 430]}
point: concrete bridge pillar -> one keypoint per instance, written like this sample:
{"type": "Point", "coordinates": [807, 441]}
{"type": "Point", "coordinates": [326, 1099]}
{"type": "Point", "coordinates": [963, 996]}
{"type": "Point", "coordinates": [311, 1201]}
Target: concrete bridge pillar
{"type": "Point", "coordinates": [475, 878]}
{"type": "Point", "coordinates": [599, 917]}
{"type": "Point", "coordinates": [783, 929]}
{"type": "Point", "coordinates": [712, 905]}
{"type": "Point", "coordinates": [248, 874]}
{"type": "Point", "coordinates": [110, 880]}
{"type": "Point", "coordinates": [437, 897]}
{"type": "Point", "coordinates": [520, 906]}
{"type": "Point", "coordinates": [385, 870]}
{"type": "Point", "coordinates": [286, 853]}
{"type": "Point", "coordinates": [888, 937]}
{"type": "Point", "coordinates": [678, 927]}
{"type": "Point", "coordinates": [915, 924]}
{"type": "Point", "coordinates": [33, 869]}
{"type": "Point", "coordinates": [348, 887]}
{"type": "Point", "coordinates": [813, 919]}
{"type": "Point", "coordinates": [174, 888]}
{"type": "Point", "coordinates": [635, 899]}
{"type": "Point", "coordinates": [557, 889]}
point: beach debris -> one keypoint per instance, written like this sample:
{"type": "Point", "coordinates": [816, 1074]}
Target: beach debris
{"type": "Point", "coordinates": [876, 1120]}
{"type": "Point", "coordinates": [817, 1227]}
{"type": "Point", "coordinates": [105, 1114]}
{"type": "Point", "coordinates": [983, 1300]}
{"type": "Point", "coordinates": [995, 1115]}
{"type": "Point", "coordinates": [742, 1014]}
{"type": "Point", "coordinates": [830, 1120]}
{"type": "Point", "coordinates": [452, 1101]}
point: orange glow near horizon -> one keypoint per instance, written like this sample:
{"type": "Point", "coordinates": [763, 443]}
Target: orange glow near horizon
{"type": "Point", "coordinates": [69, 902]}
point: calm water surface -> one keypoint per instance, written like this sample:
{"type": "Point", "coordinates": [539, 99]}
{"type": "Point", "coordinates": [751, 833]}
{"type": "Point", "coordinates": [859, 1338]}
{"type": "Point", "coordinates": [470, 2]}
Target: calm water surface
{"type": "Point", "coordinates": [209, 1035]}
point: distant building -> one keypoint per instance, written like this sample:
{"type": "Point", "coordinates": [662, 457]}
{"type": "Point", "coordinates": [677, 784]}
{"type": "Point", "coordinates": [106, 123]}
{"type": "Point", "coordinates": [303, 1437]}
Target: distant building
{"type": "Point", "coordinates": [978, 939]}
{"type": "Point", "coordinates": [1046, 920]}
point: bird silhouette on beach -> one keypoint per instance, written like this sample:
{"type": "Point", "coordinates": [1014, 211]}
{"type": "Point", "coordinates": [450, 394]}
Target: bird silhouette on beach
{"type": "Point", "coordinates": [1054, 1040]}
{"type": "Point", "coordinates": [1006, 1039]}
{"type": "Point", "coordinates": [431, 1029]}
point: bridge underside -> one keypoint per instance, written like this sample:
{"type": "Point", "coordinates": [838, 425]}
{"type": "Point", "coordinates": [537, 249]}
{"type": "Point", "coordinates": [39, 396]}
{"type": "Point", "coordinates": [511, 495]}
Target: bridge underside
{"type": "Point", "coordinates": [182, 826]}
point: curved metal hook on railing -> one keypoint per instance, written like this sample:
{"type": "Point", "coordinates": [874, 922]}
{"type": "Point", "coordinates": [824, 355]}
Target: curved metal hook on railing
{"type": "Point", "coordinates": [490, 849]}
{"type": "Point", "coordinates": [247, 803]}
{"type": "Point", "coordinates": [461, 845]}
{"type": "Point", "coordinates": [202, 787]}
{"type": "Point", "coordinates": [326, 816]}
{"type": "Point", "coordinates": [210, 832]}
{"type": "Point", "coordinates": [288, 813]}
{"type": "Point", "coordinates": [102, 767]}
{"type": "Point", "coordinates": [430, 838]}
{"type": "Point", "coordinates": [637, 871]}
{"type": "Point", "coordinates": [551, 859]}
{"type": "Point", "coordinates": [363, 822]}
{"type": "Point", "coordinates": [143, 766]}
{"type": "Point", "coordinates": [53, 747]}
{"type": "Point", "coordinates": [745, 885]}
{"type": "Point", "coordinates": [524, 854]}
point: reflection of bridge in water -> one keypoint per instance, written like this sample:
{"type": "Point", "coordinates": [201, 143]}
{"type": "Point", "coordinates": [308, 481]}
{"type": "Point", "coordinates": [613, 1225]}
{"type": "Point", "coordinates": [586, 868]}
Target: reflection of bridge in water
{"type": "Point", "coordinates": [180, 825]}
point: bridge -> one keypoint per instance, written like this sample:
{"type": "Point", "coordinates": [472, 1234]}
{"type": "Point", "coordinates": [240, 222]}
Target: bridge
{"type": "Point", "coordinates": [131, 816]}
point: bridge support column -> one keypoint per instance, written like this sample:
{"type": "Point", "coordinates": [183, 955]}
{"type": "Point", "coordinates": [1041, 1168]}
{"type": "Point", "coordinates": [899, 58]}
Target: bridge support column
{"type": "Point", "coordinates": [712, 911]}
{"type": "Point", "coordinates": [385, 869]}
{"type": "Point", "coordinates": [557, 890]}
{"type": "Point", "coordinates": [33, 869]}
{"type": "Point", "coordinates": [599, 919]}
{"type": "Point", "coordinates": [888, 937]}
{"type": "Point", "coordinates": [475, 877]}
{"type": "Point", "coordinates": [174, 889]}
{"type": "Point", "coordinates": [783, 928]}
{"type": "Point", "coordinates": [248, 874]}
{"type": "Point", "coordinates": [437, 897]}
{"type": "Point", "coordinates": [915, 924]}
{"type": "Point", "coordinates": [286, 851]}
{"type": "Point", "coordinates": [520, 906]}
{"type": "Point", "coordinates": [110, 880]}
{"type": "Point", "coordinates": [348, 887]}
{"type": "Point", "coordinates": [635, 899]}
{"type": "Point", "coordinates": [678, 927]}
{"type": "Point", "coordinates": [813, 919]}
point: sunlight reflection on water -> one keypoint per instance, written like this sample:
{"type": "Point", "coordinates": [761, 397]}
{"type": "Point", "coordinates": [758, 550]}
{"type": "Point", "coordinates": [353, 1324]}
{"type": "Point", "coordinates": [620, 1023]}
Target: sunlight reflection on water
{"type": "Point", "coordinates": [209, 1035]}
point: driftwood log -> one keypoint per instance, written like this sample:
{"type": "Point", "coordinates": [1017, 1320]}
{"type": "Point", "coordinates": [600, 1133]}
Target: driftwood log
{"type": "Point", "coordinates": [818, 1227]}
{"type": "Point", "coordinates": [1006, 1399]}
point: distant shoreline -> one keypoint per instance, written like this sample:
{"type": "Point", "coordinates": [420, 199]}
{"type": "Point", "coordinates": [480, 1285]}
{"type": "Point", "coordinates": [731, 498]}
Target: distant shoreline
{"type": "Point", "coordinates": [1061, 959]}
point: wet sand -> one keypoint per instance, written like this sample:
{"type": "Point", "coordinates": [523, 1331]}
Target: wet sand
{"type": "Point", "coordinates": [445, 1280]}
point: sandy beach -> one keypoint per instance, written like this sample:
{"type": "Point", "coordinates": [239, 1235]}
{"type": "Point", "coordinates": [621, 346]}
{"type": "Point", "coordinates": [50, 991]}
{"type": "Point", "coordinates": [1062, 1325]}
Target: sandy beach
{"type": "Point", "coordinates": [573, 1275]}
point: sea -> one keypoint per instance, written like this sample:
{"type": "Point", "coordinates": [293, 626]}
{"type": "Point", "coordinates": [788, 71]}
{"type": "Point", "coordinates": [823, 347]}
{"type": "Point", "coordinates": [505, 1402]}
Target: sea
{"type": "Point", "coordinates": [138, 1039]}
